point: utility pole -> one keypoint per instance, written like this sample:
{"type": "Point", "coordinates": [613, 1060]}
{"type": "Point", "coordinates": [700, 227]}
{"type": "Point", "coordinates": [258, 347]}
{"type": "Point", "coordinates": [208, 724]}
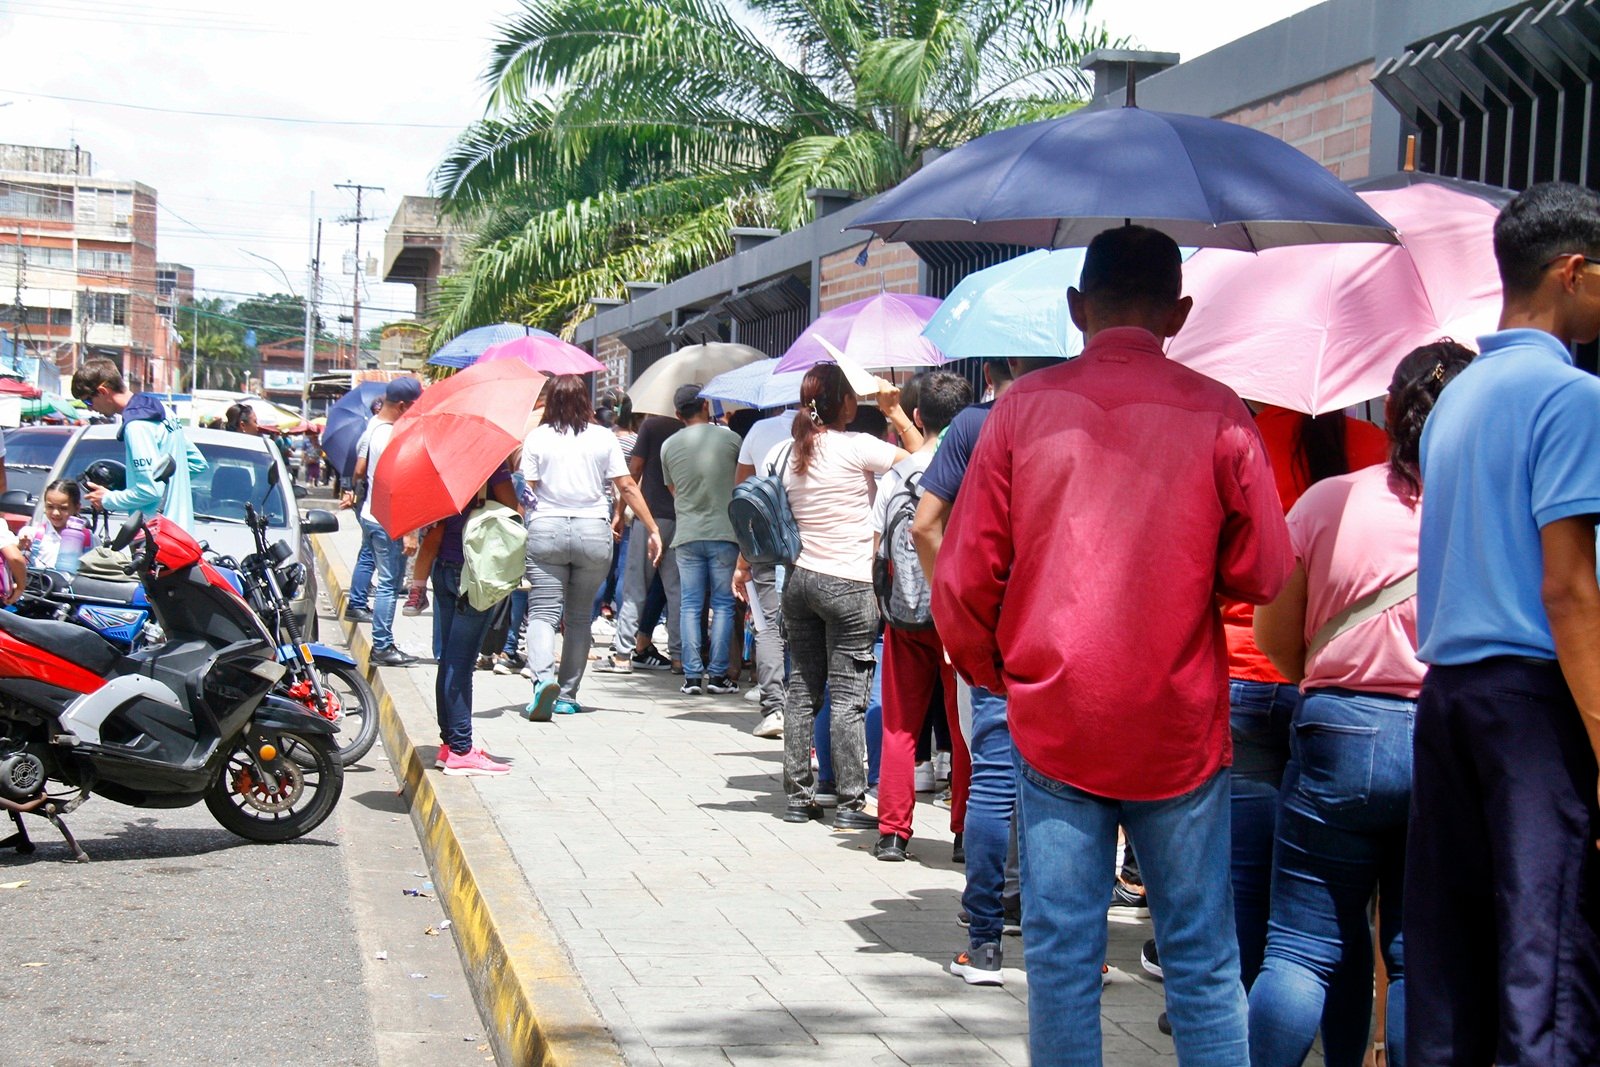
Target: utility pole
{"type": "Point", "coordinates": [19, 311]}
{"type": "Point", "coordinates": [355, 296]}
{"type": "Point", "coordinates": [311, 318]}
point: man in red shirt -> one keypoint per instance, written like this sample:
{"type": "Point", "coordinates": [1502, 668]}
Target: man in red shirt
{"type": "Point", "coordinates": [1109, 502]}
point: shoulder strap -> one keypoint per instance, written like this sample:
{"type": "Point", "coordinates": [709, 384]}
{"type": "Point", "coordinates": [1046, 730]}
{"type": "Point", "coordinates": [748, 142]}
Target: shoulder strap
{"type": "Point", "coordinates": [1368, 607]}
{"type": "Point", "coordinates": [783, 462]}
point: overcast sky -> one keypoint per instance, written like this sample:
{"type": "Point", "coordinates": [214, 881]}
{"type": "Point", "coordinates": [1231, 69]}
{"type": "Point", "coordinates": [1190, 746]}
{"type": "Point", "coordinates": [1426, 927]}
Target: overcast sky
{"type": "Point", "coordinates": [230, 186]}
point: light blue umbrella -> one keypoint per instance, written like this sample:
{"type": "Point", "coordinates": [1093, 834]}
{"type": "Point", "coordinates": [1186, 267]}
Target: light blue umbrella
{"type": "Point", "coordinates": [464, 349]}
{"type": "Point", "coordinates": [755, 385]}
{"type": "Point", "coordinates": [1012, 310]}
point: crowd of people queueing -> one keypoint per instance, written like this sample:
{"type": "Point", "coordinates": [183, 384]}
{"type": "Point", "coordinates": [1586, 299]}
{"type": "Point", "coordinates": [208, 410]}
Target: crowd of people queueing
{"type": "Point", "coordinates": [1230, 664]}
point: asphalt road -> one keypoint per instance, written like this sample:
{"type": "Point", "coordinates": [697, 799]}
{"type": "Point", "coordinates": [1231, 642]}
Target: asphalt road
{"type": "Point", "coordinates": [181, 944]}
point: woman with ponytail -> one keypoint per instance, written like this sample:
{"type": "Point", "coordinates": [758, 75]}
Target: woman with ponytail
{"type": "Point", "coordinates": [1345, 629]}
{"type": "Point", "coordinates": [829, 611]}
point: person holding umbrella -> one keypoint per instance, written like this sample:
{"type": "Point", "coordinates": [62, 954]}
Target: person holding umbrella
{"type": "Point", "coordinates": [1089, 602]}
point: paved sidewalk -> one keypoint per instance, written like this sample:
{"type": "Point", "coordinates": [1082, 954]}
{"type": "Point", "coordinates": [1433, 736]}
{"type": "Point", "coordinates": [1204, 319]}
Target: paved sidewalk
{"type": "Point", "coordinates": [708, 931]}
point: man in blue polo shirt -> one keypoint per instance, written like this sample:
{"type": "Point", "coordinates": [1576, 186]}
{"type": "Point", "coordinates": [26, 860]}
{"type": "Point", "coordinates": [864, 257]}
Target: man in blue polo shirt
{"type": "Point", "coordinates": [1502, 896]}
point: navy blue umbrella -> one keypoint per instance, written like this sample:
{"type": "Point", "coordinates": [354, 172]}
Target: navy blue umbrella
{"type": "Point", "coordinates": [463, 350]}
{"type": "Point", "coordinates": [347, 418]}
{"type": "Point", "coordinates": [1057, 183]}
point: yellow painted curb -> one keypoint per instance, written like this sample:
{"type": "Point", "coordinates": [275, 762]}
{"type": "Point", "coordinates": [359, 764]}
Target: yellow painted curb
{"type": "Point", "coordinates": [525, 985]}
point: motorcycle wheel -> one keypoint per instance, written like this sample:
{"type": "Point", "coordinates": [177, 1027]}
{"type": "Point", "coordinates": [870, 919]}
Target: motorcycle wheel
{"type": "Point", "coordinates": [309, 781]}
{"type": "Point", "coordinates": [358, 729]}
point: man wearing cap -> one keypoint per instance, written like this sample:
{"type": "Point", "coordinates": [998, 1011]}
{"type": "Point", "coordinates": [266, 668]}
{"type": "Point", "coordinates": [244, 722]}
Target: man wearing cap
{"type": "Point", "coordinates": [697, 465]}
{"type": "Point", "coordinates": [388, 554]}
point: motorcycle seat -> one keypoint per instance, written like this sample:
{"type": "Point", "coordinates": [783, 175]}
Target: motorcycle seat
{"type": "Point", "coordinates": [101, 589]}
{"type": "Point", "coordinates": [71, 642]}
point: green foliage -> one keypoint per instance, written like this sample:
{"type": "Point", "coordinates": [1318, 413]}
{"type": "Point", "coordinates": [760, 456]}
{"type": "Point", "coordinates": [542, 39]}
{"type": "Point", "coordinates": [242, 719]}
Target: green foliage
{"type": "Point", "coordinates": [214, 353]}
{"type": "Point", "coordinates": [275, 317]}
{"type": "Point", "coordinates": [623, 137]}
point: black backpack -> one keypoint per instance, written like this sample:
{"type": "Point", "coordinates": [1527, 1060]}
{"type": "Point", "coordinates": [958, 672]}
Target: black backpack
{"type": "Point", "coordinates": [762, 519]}
{"type": "Point", "coordinates": [904, 597]}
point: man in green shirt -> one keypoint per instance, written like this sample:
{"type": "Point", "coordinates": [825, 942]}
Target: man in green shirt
{"type": "Point", "coordinates": [697, 464]}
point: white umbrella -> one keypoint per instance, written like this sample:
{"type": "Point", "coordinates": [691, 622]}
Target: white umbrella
{"type": "Point", "coordinates": [652, 391]}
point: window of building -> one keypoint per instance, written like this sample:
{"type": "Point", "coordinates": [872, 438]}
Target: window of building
{"type": "Point", "coordinates": [61, 316]}
{"type": "Point", "coordinates": [104, 308]}
{"type": "Point", "coordinates": [104, 262]}
{"type": "Point", "coordinates": [21, 200]}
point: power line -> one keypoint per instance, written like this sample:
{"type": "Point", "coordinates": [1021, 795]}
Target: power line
{"type": "Point", "coordinates": [238, 115]}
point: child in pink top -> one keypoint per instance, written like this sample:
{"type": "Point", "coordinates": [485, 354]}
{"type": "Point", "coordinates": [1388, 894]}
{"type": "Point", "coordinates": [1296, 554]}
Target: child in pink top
{"type": "Point", "coordinates": [1346, 791]}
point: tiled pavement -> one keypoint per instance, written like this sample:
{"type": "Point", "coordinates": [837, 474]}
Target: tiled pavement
{"type": "Point", "coordinates": [708, 931]}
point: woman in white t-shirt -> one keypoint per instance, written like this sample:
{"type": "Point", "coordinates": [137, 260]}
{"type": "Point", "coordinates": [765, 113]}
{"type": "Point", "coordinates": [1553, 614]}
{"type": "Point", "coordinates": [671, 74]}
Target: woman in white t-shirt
{"type": "Point", "coordinates": [829, 611]}
{"type": "Point", "coordinates": [567, 461]}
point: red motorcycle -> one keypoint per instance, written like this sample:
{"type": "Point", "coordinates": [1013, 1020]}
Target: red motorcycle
{"type": "Point", "coordinates": [167, 725]}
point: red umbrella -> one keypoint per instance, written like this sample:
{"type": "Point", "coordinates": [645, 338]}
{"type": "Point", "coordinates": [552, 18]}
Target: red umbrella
{"type": "Point", "coordinates": [450, 441]}
{"type": "Point", "coordinates": [551, 355]}
{"type": "Point", "coordinates": [13, 387]}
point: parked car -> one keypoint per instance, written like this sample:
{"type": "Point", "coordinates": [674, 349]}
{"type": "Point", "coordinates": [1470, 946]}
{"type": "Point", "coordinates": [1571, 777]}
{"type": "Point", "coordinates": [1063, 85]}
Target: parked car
{"type": "Point", "coordinates": [236, 475]}
{"type": "Point", "coordinates": [31, 451]}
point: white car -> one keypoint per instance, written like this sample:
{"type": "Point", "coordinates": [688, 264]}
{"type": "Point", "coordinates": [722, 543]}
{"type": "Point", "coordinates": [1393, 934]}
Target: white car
{"type": "Point", "coordinates": [236, 475]}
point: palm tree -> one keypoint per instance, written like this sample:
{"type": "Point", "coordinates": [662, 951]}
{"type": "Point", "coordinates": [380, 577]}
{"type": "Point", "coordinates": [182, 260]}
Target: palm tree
{"type": "Point", "coordinates": [625, 137]}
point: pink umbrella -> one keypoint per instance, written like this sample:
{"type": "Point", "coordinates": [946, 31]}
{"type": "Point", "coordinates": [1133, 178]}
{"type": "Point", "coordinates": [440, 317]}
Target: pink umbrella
{"type": "Point", "coordinates": [548, 355]}
{"type": "Point", "coordinates": [1318, 328]}
{"type": "Point", "coordinates": [880, 331]}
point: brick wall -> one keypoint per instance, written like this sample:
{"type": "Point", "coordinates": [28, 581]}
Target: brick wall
{"type": "Point", "coordinates": [890, 268]}
{"type": "Point", "coordinates": [1329, 120]}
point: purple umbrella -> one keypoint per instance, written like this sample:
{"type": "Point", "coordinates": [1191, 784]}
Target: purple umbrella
{"type": "Point", "coordinates": [548, 355]}
{"type": "Point", "coordinates": [880, 331]}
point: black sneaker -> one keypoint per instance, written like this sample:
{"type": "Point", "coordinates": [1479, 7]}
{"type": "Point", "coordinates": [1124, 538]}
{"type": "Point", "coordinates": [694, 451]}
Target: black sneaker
{"type": "Point", "coordinates": [390, 657]}
{"type": "Point", "coordinates": [357, 614]}
{"type": "Point", "coordinates": [801, 813]}
{"type": "Point", "coordinates": [827, 794]}
{"type": "Point", "coordinates": [690, 687]}
{"type": "Point", "coordinates": [854, 819]}
{"type": "Point", "coordinates": [958, 850]}
{"type": "Point", "coordinates": [1150, 960]}
{"type": "Point", "coordinates": [891, 848]}
{"type": "Point", "coordinates": [1012, 921]}
{"type": "Point", "coordinates": [979, 966]}
{"type": "Point", "coordinates": [651, 660]}
{"type": "Point", "coordinates": [1163, 1025]}
{"type": "Point", "coordinates": [722, 684]}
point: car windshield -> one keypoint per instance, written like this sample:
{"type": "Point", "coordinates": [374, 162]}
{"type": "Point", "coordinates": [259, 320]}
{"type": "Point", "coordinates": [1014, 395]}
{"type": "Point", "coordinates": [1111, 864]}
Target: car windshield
{"type": "Point", "coordinates": [234, 477]}
{"type": "Point", "coordinates": [29, 456]}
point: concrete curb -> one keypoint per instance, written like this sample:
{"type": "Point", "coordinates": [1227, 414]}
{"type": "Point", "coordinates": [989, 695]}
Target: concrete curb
{"type": "Point", "coordinates": [538, 1009]}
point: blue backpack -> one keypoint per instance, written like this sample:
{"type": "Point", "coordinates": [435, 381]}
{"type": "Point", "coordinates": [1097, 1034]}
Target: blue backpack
{"type": "Point", "coordinates": [762, 519]}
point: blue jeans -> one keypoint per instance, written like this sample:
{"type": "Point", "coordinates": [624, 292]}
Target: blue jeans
{"type": "Point", "coordinates": [1069, 847]}
{"type": "Point", "coordinates": [389, 574]}
{"type": "Point", "coordinates": [610, 591]}
{"type": "Point", "coordinates": [703, 564]}
{"type": "Point", "coordinates": [1259, 715]}
{"type": "Point", "coordinates": [991, 803]}
{"type": "Point", "coordinates": [361, 578]}
{"type": "Point", "coordinates": [823, 739]}
{"type": "Point", "coordinates": [1341, 835]}
{"type": "Point", "coordinates": [519, 614]}
{"type": "Point", "coordinates": [461, 629]}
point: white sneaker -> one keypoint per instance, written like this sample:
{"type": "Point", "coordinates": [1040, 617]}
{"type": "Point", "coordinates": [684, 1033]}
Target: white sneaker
{"type": "Point", "coordinates": [604, 629]}
{"type": "Point", "coordinates": [770, 726]}
{"type": "Point", "coordinates": [753, 694]}
{"type": "Point", "coordinates": [922, 777]}
{"type": "Point", "coordinates": [941, 767]}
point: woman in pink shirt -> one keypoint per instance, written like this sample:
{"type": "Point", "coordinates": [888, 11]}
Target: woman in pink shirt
{"type": "Point", "coordinates": [1345, 629]}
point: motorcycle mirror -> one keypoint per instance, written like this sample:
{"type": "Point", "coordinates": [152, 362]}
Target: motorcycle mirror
{"type": "Point", "coordinates": [317, 521]}
{"type": "Point", "coordinates": [15, 498]}
{"type": "Point", "coordinates": [125, 535]}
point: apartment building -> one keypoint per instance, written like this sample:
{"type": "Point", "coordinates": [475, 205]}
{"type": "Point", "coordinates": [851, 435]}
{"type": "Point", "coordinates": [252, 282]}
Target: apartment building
{"type": "Point", "coordinates": [78, 269]}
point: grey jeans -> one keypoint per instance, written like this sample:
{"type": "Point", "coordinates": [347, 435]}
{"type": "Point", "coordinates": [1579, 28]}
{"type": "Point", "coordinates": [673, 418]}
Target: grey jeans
{"type": "Point", "coordinates": [636, 586]}
{"type": "Point", "coordinates": [769, 639]}
{"type": "Point", "coordinates": [566, 562]}
{"type": "Point", "coordinates": [831, 625]}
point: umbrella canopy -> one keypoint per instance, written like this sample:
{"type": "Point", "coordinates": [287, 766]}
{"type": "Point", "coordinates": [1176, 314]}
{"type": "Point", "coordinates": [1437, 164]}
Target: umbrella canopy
{"type": "Point", "coordinates": [451, 440]}
{"type": "Point", "coordinates": [49, 405]}
{"type": "Point", "coordinates": [464, 349]}
{"type": "Point", "coordinates": [17, 387]}
{"type": "Point", "coordinates": [1057, 183]}
{"type": "Point", "coordinates": [652, 391]}
{"type": "Point", "coordinates": [880, 331]}
{"type": "Point", "coordinates": [1319, 329]}
{"type": "Point", "coordinates": [347, 419]}
{"type": "Point", "coordinates": [756, 385]}
{"type": "Point", "coordinates": [1012, 310]}
{"type": "Point", "coordinates": [214, 404]}
{"type": "Point", "coordinates": [544, 353]}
